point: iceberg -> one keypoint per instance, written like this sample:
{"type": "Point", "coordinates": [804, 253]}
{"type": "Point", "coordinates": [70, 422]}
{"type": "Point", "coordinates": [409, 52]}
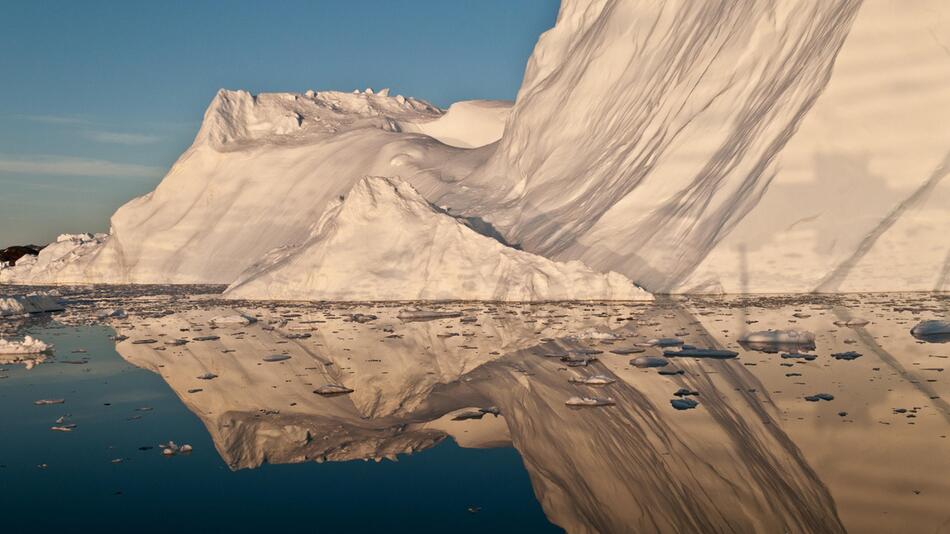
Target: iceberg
{"type": "Point", "coordinates": [385, 241]}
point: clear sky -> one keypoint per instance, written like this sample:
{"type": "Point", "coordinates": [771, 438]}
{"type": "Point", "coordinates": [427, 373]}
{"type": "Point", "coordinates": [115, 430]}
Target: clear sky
{"type": "Point", "coordinates": [97, 99]}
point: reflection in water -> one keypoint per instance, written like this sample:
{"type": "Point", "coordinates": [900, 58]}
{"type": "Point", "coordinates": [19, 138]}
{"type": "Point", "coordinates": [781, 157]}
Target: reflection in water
{"type": "Point", "coordinates": [753, 457]}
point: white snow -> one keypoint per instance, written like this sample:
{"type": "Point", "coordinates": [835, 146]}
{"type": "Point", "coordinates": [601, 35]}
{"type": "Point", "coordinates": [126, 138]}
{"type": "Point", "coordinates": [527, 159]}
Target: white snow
{"type": "Point", "coordinates": [27, 304]}
{"type": "Point", "coordinates": [386, 242]}
{"type": "Point", "coordinates": [466, 124]}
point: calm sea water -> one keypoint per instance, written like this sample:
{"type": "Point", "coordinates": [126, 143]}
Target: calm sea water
{"type": "Point", "coordinates": [119, 408]}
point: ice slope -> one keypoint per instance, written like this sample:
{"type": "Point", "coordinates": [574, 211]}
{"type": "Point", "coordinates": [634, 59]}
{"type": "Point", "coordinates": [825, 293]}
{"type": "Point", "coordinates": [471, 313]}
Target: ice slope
{"type": "Point", "coordinates": [259, 174]}
{"type": "Point", "coordinates": [466, 124]}
{"type": "Point", "coordinates": [733, 146]}
{"type": "Point", "coordinates": [385, 241]}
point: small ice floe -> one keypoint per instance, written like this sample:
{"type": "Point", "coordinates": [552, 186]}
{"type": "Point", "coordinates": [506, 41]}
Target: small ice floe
{"type": "Point", "coordinates": [426, 315]}
{"type": "Point", "coordinates": [117, 313]}
{"type": "Point", "coordinates": [332, 390]}
{"type": "Point", "coordinates": [29, 304]}
{"type": "Point", "coordinates": [29, 345]}
{"type": "Point", "coordinates": [820, 397]}
{"type": "Point", "coordinates": [589, 401]}
{"type": "Point", "coordinates": [297, 335]}
{"type": "Point", "coordinates": [571, 361]}
{"type": "Point", "coordinates": [276, 357]}
{"type": "Point", "coordinates": [46, 402]}
{"type": "Point", "coordinates": [852, 322]}
{"type": "Point", "coordinates": [469, 415]}
{"type": "Point", "coordinates": [631, 350]}
{"type": "Point", "coordinates": [232, 319]}
{"type": "Point", "coordinates": [799, 356]}
{"type": "Point", "coordinates": [847, 356]}
{"type": "Point", "coordinates": [684, 404]}
{"type": "Point", "coordinates": [663, 342]}
{"type": "Point", "coordinates": [207, 376]}
{"type": "Point", "coordinates": [774, 340]}
{"type": "Point", "coordinates": [596, 380]}
{"type": "Point", "coordinates": [205, 338]}
{"type": "Point", "coordinates": [934, 331]}
{"type": "Point", "coordinates": [476, 414]}
{"type": "Point", "coordinates": [171, 448]}
{"type": "Point", "coordinates": [691, 352]}
{"type": "Point", "coordinates": [593, 333]}
{"type": "Point", "coordinates": [649, 361]}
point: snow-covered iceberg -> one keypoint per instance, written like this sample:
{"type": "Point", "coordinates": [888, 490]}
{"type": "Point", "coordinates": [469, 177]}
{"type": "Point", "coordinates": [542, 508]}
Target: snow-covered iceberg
{"type": "Point", "coordinates": [385, 241]}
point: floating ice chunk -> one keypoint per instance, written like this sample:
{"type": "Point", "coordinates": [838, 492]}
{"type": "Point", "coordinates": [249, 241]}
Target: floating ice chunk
{"type": "Point", "coordinates": [852, 322]}
{"type": "Point", "coordinates": [631, 350]}
{"type": "Point", "coordinates": [426, 315]}
{"type": "Point", "coordinates": [701, 353]}
{"type": "Point", "coordinates": [593, 333]}
{"type": "Point", "coordinates": [590, 401]}
{"type": "Point", "coordinates": [932, 330]}
{"type": "Point", "coordinates": [780, 337]}
{"type": "Point", "coordinates": [664, 342]}
{"type": "Point", "coordinates": [46, 402]}
{"type": "Point", "coordinates": [233, 319]}
{"type": "Point", "coordinates": [117, 313]}
{"type": "Point", "coordinates": [596, 380]}
{"type": "Point", "coordinates": [331, 390]}
{"type": "Point", "coordinates": [28, 304]}
{"type": "Point", "coordinates": [29, 345]}
{"type": "Point", "coordinates": [848, 356]}
{"type": "Point", "coordinates": [649, 361]}
{"type": "Point", "coordinates": [684, 404]}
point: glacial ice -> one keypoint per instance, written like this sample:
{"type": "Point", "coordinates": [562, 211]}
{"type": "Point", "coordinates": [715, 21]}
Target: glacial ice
{"type": "Point", "coordinates": [386, 242]}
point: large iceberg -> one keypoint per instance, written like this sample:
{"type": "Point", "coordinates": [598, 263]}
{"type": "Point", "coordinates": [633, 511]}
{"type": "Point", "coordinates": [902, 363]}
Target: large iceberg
{"type": "Point", "coordinates": [386, 242]}
{"type": "Point", "coordinates": [757, 146]}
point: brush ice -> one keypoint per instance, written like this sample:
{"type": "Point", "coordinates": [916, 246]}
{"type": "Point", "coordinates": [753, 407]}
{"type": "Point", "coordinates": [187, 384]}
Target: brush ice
{"type": "Point", "coordinates": [386, 242]}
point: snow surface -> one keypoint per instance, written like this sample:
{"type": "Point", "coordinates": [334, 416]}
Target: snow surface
{"type": "Point", "coordinates": [760, 146]}
{"type": "Point", "coordinates": [385, 241]}
{"type": "Point", "coordinates": [467, 124]}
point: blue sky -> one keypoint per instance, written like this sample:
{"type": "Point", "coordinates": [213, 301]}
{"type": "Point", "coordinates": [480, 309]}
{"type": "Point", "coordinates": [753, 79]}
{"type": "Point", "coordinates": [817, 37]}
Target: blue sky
{"type": "Point", "coordinates": [97, 99]}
